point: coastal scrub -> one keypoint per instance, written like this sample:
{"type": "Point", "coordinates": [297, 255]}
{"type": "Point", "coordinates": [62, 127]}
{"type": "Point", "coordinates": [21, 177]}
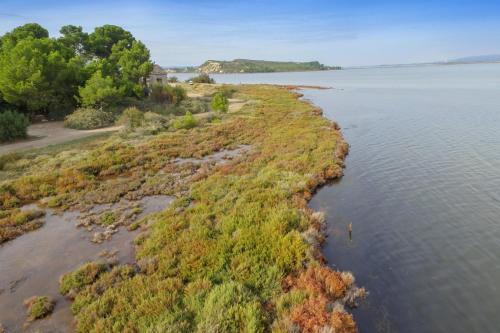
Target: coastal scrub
{"type": "Point", "coordinates": [39, 307]}
{"type": "Point", "coordinates": [238, 249]}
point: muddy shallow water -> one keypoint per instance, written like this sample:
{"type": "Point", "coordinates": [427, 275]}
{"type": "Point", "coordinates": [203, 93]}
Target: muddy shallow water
{"type": "Point", "coordinates": [32, 264]}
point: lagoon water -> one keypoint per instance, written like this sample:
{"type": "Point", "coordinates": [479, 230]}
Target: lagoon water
{"type": "Point", "coordinates": [421, 188]}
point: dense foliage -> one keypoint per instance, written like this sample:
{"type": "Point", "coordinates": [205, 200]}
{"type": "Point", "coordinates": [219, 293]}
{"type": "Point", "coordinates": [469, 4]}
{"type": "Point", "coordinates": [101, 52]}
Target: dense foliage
{"type": "Point", "coordinates": [202, 78]}
{"type": "Point", "coordinates": [219, 102]}
{"type": "Point", "coordinates": [43, 75]}
{"type": "Point", "coordinates": [13, 125]}
{"type": "Point", "coordinates": [236, 251]}
{"type": "Point", "coordinates": [89, 118]}
{"type": "Point", "coordinates": [164, 93]}
{"type": "Point", "coordinates": [185, 122]}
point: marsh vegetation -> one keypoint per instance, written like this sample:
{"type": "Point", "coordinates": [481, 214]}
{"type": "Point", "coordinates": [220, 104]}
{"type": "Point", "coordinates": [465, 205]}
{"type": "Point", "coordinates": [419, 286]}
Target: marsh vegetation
{"type": "Point", "coordinates": [238, 250]}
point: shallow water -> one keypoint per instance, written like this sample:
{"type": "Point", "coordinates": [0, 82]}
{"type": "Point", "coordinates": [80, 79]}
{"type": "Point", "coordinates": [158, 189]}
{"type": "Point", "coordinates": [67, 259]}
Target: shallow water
{"type": "Point", "coordinates": [32, 264]}
{"type": "Point", "coordinates": [421, 188]}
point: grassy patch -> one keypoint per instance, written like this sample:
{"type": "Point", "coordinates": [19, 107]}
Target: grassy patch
{"type": "Point", "coordinates": [73, 282]}
{"type": "Point", "coordinates": [16, 222]}
{"type": "Point", "coordinates": [39, 307]}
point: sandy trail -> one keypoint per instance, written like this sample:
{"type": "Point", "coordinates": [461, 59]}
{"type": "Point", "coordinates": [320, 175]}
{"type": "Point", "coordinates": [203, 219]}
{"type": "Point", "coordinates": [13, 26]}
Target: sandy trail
{"type": "Point", "coordinates": [50, 133]}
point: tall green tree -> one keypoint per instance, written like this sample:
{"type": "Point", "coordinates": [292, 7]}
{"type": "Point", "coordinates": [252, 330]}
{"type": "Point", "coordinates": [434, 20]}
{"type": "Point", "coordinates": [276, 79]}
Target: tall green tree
{"type": "Point", "coordinates": [30, 30]}
{"type": "Point", "coordinates": [43, 75]}
{"type": "Point", "coordinates": [74, 38]}
{"type": "Point", "coordinates": [132, 65]}
{"type": "Point", "coordinates": [99, 91]}
{"type": "Point", "coordinates": [102, 40]}
{"type": "Point", "coordinates": [37, 75]}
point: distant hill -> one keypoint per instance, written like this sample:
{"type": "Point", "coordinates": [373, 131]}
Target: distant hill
{"type": "Point", "coordinates": [475, 59]}
{"type": "Point", "coordinates": [256, 66]}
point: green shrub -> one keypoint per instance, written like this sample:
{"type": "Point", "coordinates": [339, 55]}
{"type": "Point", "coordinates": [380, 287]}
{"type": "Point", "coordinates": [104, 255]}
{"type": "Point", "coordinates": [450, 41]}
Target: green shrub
{"type": "Point", "coordinates": [83, 276]}
{"type": "Point", "coordinates": [39, 307]}
{"type": "Point", "coordinates": [89, 118]}
{"type": "Point", "coordinates": [167, 94]}
{"type": "Point", "coordinates": [13, 126]}
{"type": "Point", "coordinates": [202, 78]}
{"type": "Point", "coordinates": [179, 94]}
{"type": "Point", "coordinates": [193, 105]}
{"type": "Point", "coordinates": [100, 91]}
{"type": "Point", "coordinates": [219, 102]}
{"type": "Point", "coordinates": [173, 79]}
{"type": "Point", "coordinates": [108, 218]}
{"type": "Point", "coordinates": [227, 91]}
{"type": "Point", "coordinates": [154, 123]}
{"type": "Point", "coordinates": [186, 122]}
{"type": "Point", "coordinates": [132, 118]}
{"type": "Point", "coordinates": [231, 307]}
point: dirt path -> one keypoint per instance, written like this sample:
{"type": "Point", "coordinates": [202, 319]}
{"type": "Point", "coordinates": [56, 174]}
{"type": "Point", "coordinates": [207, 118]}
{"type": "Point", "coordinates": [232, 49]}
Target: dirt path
{"type": "Point", "coordinates": [50, 133]}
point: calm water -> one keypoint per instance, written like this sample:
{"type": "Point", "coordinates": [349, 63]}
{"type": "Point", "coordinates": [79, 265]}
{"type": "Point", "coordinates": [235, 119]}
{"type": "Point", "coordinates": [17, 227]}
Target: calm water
{"type": "Point", "coordinates": [421, 188]}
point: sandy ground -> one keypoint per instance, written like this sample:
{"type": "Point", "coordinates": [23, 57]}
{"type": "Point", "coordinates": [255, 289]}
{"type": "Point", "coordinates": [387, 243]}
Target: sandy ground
{"type": "Point", "coordinates": [50, 133]}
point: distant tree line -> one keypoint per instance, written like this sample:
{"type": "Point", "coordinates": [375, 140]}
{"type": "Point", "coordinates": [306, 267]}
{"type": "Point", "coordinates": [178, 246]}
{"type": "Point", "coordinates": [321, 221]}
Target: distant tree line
{"type": "Point", "coordinates": [52, 76]}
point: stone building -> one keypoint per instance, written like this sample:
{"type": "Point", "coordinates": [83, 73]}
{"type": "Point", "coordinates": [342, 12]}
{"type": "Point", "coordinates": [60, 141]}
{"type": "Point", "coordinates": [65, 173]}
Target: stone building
{"type": "Point", "coordinates": [158, 75]}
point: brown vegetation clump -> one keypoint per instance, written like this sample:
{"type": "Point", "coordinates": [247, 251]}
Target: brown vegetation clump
{"type": "Point", "coordinates": [343, 322]}
{"type": "Point", "coordinates": [324, 287]}
{"type": "Point", "coordinates": [322, 281]}
{"type": "Point", "coordinates": [16, 222]}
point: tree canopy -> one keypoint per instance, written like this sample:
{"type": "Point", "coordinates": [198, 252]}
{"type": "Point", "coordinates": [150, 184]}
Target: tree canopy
{"type": "Point", "coordinates": [40, 74]}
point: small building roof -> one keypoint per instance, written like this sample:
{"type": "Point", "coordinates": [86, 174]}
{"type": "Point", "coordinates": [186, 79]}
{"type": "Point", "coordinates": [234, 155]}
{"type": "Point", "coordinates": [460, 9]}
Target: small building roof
{"type": "Point", "coordinates": [158, 70]}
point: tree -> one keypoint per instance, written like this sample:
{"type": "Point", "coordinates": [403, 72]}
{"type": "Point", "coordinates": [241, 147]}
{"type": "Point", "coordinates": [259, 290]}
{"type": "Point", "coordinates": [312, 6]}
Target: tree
{"type": "Point", "coordinates": [102, 40]}
{"type": "Point", "coordinates": [132, 65]}
{"type": "Point", "coordinates": [42, 74]}
{"type": "Point", "coordinates": [99, 91]}
{"type": "Point", "coordinates": [74, 38]}
{"type": "Point", "coordinates": [30, 30]}
{"type": "Point", "coordinates": [36, 74]}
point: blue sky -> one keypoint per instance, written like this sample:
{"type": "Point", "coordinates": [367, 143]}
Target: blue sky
{"type": "Point", "coordinates": [346, 33]}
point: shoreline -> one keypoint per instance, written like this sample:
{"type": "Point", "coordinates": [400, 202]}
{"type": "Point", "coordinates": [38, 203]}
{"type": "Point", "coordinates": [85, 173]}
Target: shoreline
{"type": "Point", "coordinates": [276, 155]}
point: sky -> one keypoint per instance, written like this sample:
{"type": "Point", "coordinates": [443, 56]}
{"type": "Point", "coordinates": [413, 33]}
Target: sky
{"type": "Point", "coordinates": [345, 33]}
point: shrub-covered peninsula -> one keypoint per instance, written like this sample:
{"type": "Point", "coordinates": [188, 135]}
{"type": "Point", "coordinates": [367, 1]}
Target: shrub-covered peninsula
{"type": "Point", "coordinates": [236, 251]}
{"type": "Point", "coordinates": [257, 66]}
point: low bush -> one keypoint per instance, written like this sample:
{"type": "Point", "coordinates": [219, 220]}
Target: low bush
{"type": "Point", "coordinates": [89, 118]}
{"type": "Point", "coordinates": [132, 118]}
{"type": "Point", "coordinates": [173, 79]}
{"type": "Point", "coordinates": [219, 103]}
{"type": "Point", "coordinates": [39, 307]}
{"type": "Point", "coordinates": [167, 94]}
{"type": "Point", "coordinates": [154, 123]}
{"type": "Point", "coordinates": [13, 126]}
{"type": "Point", "coordinates": [85, 275]}
{"type": "Point", "coordinates": [227, 91]}
{"type": "Point", "coordinates": [193, 105]}
{"type": "Point", "coordinates": [185, 122]}
{"type": "Point", "coordinates": [202, 78]}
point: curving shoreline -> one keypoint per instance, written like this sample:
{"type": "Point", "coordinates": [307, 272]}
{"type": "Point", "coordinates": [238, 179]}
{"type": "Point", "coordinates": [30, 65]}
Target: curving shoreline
{"type": "Point", "coordinates": [255, 236]}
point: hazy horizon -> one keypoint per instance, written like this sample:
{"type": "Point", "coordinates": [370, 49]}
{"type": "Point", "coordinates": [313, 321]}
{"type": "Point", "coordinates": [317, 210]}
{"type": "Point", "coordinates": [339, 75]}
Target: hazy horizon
{"type": "Point", "coordinates": [344, 33]}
